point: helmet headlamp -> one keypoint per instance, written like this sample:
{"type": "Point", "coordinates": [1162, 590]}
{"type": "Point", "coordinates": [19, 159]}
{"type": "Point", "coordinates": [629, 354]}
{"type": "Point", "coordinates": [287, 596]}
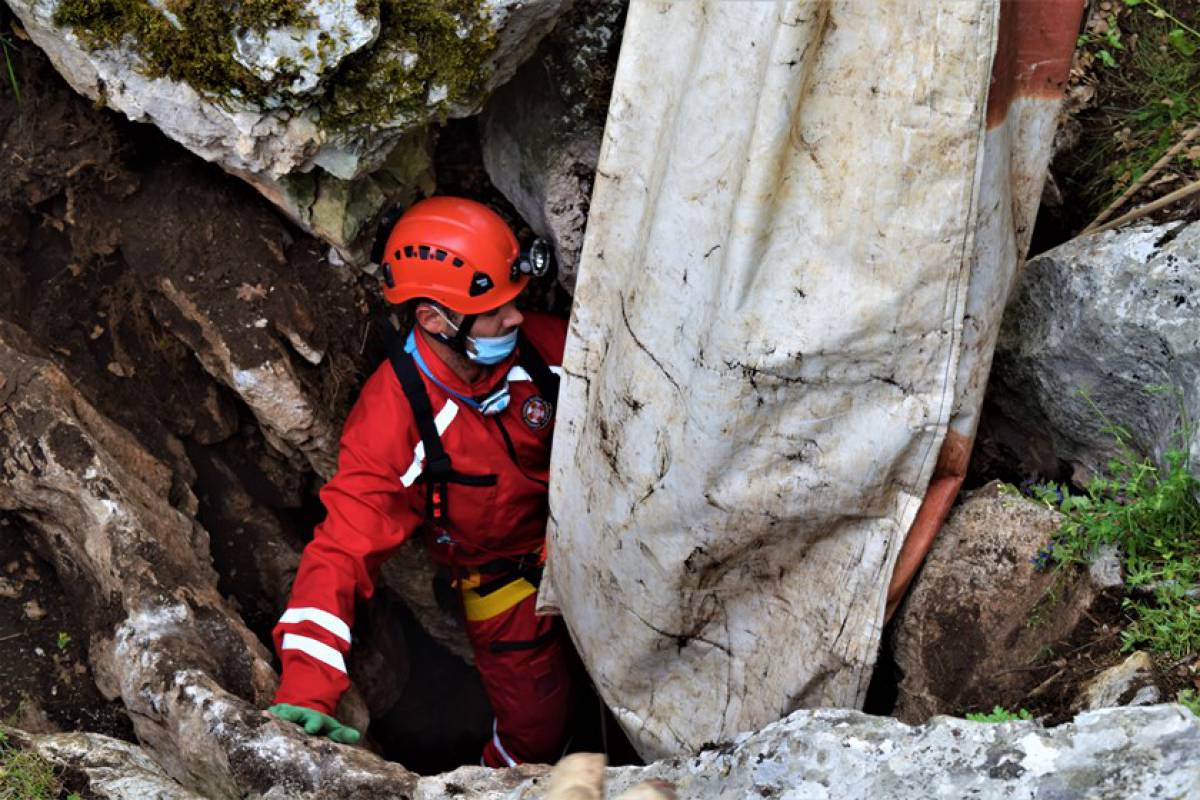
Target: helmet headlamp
{"type": "Point", "coordinates": [537, 260]}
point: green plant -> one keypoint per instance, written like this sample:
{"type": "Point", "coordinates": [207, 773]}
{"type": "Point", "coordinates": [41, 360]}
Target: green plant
{"type": "Point", "coordinates": [1000, 714]}
{"type": "Point", "coordinates": [24, 775]}
{"type": "Point", "coordinates": [1189, 700]}
{"type": "Point", "coordinates": [1181, 36]}
{"type": "Point", "coordinates": [64, 640]}
{"type": "Point", "coordinates": [1153, 518]}
{"type": "Point", "coordinates": [8, 47]}
{"type": "Point", "coordinates": [1138, 58]}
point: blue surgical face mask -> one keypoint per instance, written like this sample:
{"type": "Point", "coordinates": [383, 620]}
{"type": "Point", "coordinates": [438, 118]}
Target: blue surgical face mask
{"type": "Point", "coordinates": [488, 349]}
{"type": "Point", "coordinates": [492, 349]}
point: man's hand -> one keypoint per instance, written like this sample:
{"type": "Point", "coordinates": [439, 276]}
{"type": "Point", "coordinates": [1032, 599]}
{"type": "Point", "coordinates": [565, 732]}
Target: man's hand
{"type": "Point", "coordinates": [316, 723]}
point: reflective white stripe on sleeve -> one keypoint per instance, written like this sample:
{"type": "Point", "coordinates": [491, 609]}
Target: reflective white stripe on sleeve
{"type": "Point", "coordinates": [321, 652]}
{"type": "Point", "coordinates": [518, 373]}
{"type": "Point", "coordinates": [324, 619]}
{"type": "Point", "coordinates": [500, 748]}
{"type": "Point", "coordinates": [441, 422]}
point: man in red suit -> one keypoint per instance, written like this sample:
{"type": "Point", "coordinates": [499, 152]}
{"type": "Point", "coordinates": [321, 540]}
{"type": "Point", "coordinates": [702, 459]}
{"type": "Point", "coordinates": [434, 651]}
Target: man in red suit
{"type": "Point", "coordinates": [451, 435]}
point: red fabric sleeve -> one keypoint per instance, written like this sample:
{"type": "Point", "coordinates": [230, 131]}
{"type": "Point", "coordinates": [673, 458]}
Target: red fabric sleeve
{"type": "Point", "coordinates": [369, 513]}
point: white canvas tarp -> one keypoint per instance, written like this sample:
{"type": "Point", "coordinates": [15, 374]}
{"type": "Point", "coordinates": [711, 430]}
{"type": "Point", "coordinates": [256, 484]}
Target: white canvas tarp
{"type": "Point", "coordinates": [767, 336]}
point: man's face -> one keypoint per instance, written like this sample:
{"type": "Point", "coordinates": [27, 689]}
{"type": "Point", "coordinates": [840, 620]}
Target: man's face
{"type": "Point", "coordinates": [498, 321]}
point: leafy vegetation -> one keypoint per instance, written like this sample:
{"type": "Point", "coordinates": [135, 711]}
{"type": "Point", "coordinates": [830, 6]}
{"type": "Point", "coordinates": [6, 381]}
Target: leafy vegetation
{"type": "Point", "coordinates": [1138, 58]}
{"type": "Point", "coordinates": [24, 775]}
{"type": "Point", "coordinates": [1190, 700]}
{"type": "Point", "coordinates": [1000, 714]}
{"type": "Point", "coordinates": [8, 47]}
{"type": "Point", "coordinates": [1152, 517]}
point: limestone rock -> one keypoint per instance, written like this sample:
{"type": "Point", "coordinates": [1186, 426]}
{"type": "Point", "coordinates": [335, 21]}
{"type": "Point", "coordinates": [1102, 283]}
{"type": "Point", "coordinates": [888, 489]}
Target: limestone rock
{"type": "Point", "coordinates": [1124, 684]}
{"type": "Point", "coordinates": [410, 574]}
{"type": "Point", "coordinates": [269, 384]}
{"type": "Point", "coordinates": [1116, 754]}
{"type": "Point", "coordinates": [837, 755]}
{"type": "Point", "coordinates": [977, 619]}
{"type": "Point", "coordinates": [113, 769]}
{"type": "Point", "coordinates": [542, 163]}
{"type": "Point", "coordinates": [542, 131]}
{"type": "Point", "coordinates": [1113, 314]}
{"type": "Point", "coordinates": [327, 90]}
{"type": "Point", "coordinates": [305, 53]}
{"type": "Point", "coordinates": [222, 282]}
{"type": "Point", "coordinates": [190, 674]}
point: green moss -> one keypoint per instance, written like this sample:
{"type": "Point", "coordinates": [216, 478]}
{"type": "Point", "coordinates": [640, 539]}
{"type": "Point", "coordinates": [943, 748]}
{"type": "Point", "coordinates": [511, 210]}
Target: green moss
{"type": "Point", "coordinates": [199, 52]}
{"type": "Point", "coordinates": [452, 41]}
{"type": "Point", "coordinates": [24, 775]}
{"type": "Point", "coordinates": [376, 86]}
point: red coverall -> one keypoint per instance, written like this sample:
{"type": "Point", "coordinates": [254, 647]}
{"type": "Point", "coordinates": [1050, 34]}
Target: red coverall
{"type": "Point", "coordinates": [374, 503]}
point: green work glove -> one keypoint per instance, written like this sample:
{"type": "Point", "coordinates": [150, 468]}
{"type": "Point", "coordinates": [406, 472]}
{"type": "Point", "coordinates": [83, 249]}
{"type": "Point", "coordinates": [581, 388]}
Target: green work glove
{"type": "Point", "coordinates": [316, 723]}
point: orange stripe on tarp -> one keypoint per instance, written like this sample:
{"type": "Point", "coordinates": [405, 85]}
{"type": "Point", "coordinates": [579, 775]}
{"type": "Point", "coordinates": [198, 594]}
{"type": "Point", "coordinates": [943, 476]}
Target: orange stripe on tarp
{"type": "Point", "coordinates": [1034, 47]}
{"type": "Point", "coordinates": [948, 476]}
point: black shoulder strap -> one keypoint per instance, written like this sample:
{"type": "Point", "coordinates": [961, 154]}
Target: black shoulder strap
{"type": "Point", "coordinates": [533, 363]}
{"type": "Point", "coordinates": [437, 471]}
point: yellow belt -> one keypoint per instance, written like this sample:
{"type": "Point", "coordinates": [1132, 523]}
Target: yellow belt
{"type": "Point", "coordinates": [480, 607]}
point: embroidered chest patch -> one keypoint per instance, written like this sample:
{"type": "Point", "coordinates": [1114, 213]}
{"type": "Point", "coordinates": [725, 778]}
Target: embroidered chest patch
{"type": "Point", "coordinates": [537, 412]}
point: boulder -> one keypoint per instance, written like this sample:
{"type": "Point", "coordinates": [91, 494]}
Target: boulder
{"type": "Point", "coordinates": [836, 755]}
{"type": "Point", "coordinates": [222, 282]}
{"type": "Point", "coordinates": [109, 769]}
{"type": "Point", "coordinates": [1128, 754]}
{"type": "Point", "coordinates": [1130, 683]}
{"type": "Point", "coordinates": [541, 132]}
{"type": "Point", "coordinates": [190, 674]}
{"type": "Point", "coordinates": [337, 91]}
{"type": "Point", "coordinates": [974, 628]}
{"type": "Point", "coordinates": [1095, 326]}
{"type": "Point", "coordinates": [1116, 754]}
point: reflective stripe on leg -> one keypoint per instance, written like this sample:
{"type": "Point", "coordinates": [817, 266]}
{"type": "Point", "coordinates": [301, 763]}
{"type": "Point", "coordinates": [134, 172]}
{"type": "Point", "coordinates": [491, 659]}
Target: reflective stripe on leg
{"type": "Point", "coordinates": [499, 747]}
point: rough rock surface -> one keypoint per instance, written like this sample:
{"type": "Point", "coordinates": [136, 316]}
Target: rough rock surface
{"type": "Point", "coordinates": [1130, 683]}
{"type": "Point", "coordinates": [542, 131]}
{"type": "Point", "coordinates": [304, 115]}
{"type": "Point", "coordinates": [980, 613]}
{"type": "Point", "coordinates": [190, 674]}
{"type": "Point", "coordinates": [1116, 754]}
{"type": "Point", "coordinates": [1113, 314]}
{"type": "Point", "coordinates": [1126, 753]}
{"type": "Point", "coordinates": [109, 769]}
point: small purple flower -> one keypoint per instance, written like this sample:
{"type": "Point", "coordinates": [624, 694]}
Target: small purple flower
{"type": "Point", "coordinates": [1044, 558]}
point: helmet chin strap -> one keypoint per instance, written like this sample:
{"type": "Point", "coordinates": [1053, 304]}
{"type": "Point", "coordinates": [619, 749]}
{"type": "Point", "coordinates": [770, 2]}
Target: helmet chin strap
{"type": "Point", "coordinates": [458, 342]}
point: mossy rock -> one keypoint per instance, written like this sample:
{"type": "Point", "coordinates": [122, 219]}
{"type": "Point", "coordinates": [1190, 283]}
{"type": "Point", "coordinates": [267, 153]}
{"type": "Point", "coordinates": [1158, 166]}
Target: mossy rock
{"type": "Point", "coordinates": [428, 55]}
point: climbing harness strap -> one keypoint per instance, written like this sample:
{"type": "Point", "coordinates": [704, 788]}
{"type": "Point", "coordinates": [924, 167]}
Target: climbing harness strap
{"type": "Point", "coordinates": [438, 472]}
{"type": "Point", "coordinates": [533, 363]}
{"type": "Point", "coordinates": [497, 585]}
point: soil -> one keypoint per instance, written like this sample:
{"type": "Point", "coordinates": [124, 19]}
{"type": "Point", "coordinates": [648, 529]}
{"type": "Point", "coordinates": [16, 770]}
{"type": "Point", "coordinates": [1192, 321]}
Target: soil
{"type": "Point", "coordinates": [45, 683]}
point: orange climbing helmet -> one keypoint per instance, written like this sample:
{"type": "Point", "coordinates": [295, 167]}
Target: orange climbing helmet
{"type": "Point", "coordinates": [455, 251]}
